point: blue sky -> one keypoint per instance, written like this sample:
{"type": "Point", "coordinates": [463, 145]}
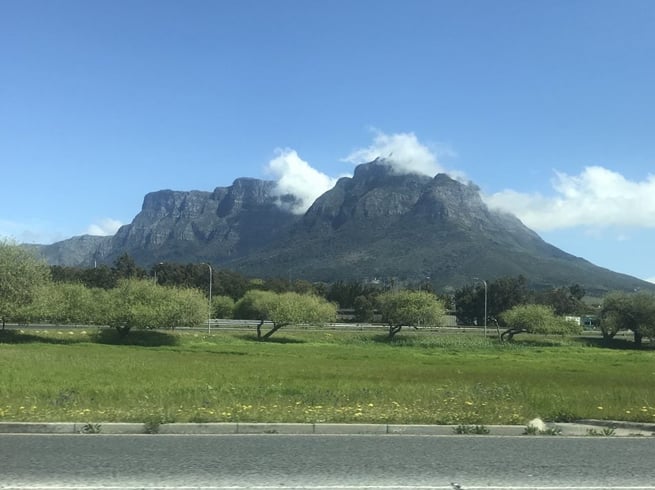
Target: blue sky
{"type": "Point", "coordinates": [548, 106]}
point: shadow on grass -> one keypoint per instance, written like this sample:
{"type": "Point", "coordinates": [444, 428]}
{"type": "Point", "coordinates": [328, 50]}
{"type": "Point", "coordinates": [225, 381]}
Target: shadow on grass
{"type": "Point", "coordinates": [21, 337]}
{"type": "Point", "coordinates": [142, 338]}
{"type": "Point", "coordinates": [615, 343]}
{"type": "Point", "coordinates": [271, 340]}
{"type": "Point", "coordinates": [534, 342]}
{"type": "Point", "coordinates": [397, 340]}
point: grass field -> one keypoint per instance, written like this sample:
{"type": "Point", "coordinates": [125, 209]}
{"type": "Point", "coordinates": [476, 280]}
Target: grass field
{"type": "Point", "coordinates": [318, 376]}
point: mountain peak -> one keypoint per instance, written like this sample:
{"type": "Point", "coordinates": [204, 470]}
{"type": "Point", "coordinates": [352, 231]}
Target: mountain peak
{"type": "Point", "coordinates": [381, 222]}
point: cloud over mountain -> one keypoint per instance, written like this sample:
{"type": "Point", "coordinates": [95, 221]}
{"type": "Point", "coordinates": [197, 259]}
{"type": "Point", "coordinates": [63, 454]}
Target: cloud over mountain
{"type": "Point", "coordinates": [295, 176]}
{"type": "Point", "coordinates": [403, 150]}
{"type": "Point", "coordinates": [104, 227]}
{"type": "Point", "coordinates": [596, 198]}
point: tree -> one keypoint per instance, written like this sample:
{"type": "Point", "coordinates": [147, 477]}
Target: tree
{"type": "Point", "coordinates": [469, 304]}
{"type": "Point", "coordinates": [411, 309]}
{"type": "Point", "coordinates": [538, 319]}
{"type": "Point", "coordinates": [125, 268]}
{"type": "Point", "coordinates": [139, 303]}
{"type": "Point", "coordinates": [577, 291]}
{"type": "Point", "coordinates": [364, 309]}
{"type": "Point", "coordinates": [230, 283]}
{"type": "Point", "coordinates": [502, 294]}
{"type": "Point", "coordinates": [628, 311]}
{"type": "Point", "coordinates": [282, 309]}
{"type": "Point", "coordinates": [345, 293]}
{"type": "Point", "coordinates": [21, 276]}
{"type": "Point", "coordinates": [222, 307]}
{"type": "Point", "coordinates": [180, 307]}
{"type": "Point", "coordinates": [564, 301]}
{"type": "Point", "coordinates": [507, 292]}
{"type": "Point", "coordinates": [252, 306]}
{"type": "Point", "coordinates": [68, 303]}
{"type": "Point", "coordinates": [99, 277]}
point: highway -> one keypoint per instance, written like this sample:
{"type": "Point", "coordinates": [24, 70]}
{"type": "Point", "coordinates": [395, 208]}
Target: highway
{"type": "Point", "coordinates": [325, 462]}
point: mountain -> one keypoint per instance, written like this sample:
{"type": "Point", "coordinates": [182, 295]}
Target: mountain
{"type": "Point", "coordinates": [76, 251]}
{"type": "Point", "coordinates": [200, 226]}
{"type": "Point", "coordinates": [378, 224]}
{"type": "Point", "coordinates": [193, 226]}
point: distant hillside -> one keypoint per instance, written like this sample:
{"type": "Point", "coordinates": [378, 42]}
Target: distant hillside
{"type": "Point", "coordinates": [375, 225]}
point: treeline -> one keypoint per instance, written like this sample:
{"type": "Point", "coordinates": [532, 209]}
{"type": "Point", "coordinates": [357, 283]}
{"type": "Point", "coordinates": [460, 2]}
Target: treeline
{"type": "Point", "coordinates": [171, 295]}
{"type": "Point", "coordinates": [467, 303]}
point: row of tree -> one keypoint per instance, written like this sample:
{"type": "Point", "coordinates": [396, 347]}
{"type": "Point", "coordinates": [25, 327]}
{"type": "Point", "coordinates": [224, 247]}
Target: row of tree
{"type": "Point", "coordinates": [132, 304]}
{"type": "Point", "coordinates": [173, 296]}
{"type": "Point", "coordinates": [128, 300]}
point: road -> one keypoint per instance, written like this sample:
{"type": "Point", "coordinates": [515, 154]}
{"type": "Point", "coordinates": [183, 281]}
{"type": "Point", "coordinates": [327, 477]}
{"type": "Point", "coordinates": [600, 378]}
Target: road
{"type": "Point", "coordinates": [325, 462]}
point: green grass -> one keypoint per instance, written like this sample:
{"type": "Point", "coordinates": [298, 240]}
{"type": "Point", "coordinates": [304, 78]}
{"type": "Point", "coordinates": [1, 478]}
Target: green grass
{"type": "Point", "coordinates": [317, 376]}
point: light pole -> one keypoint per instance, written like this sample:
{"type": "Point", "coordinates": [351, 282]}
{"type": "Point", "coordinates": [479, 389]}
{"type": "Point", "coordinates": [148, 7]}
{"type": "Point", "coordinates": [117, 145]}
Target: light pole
{"type": "Point", "coordinates": [155, 269]}
{"type": "Point", "coordinates": [209, 313]}
{"type": "Point", "coordinates": [485, 304]}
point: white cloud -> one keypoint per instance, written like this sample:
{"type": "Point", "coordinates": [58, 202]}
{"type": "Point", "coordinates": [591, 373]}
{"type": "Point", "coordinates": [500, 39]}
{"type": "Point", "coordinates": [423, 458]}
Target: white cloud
{"type": "Point", "coordinates": [34, 231]}
{"type": "Point", "coordinates": [105, 227]}
{"type": "Point", "coordinates": [46, 232]}
{"type": "Point", "coordinates": [650, 279]}
{"type": "Point", "coordinates": [9, 229]}
{"type": "Point", "coordinates": [596, 198]}
{"type": "Point", "coordinates": [404, 152]}
{"type": "Point", "coordinates": [296, 177]}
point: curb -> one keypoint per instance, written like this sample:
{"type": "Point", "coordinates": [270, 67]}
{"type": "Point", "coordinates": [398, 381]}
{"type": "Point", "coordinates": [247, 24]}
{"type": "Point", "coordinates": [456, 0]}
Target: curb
{"type": "Point", "coordinates": [582, 428]}
{"type": "Point", "coordinates": [619, 424]}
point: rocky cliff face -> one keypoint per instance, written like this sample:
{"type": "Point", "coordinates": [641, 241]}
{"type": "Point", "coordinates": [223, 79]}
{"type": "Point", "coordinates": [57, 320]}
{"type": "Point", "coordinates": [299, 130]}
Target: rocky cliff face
{"type": "Point", "coordinates": [373, 196]}
{"type": "Point", "coordinates": [79, 250]}
{"type": "Point", "coordinates": [187, 227]}
{"type": "Point", "coordinates": [377, 224]}
{"type": "Point", "coordinates": [202, 226]}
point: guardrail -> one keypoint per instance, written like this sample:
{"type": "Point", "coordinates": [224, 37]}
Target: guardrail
{"type": "Point", "coordinates": [228, 324]}
{"type": "Point", "coordinates": [236, 324]}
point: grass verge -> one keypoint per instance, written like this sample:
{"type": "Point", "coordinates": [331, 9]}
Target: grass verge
{"type": "Point", "coordinates": [317, 376]}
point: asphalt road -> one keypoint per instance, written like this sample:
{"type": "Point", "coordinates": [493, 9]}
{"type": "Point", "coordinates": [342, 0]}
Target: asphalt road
{"type": "Point", "coordinates": [322, 462]}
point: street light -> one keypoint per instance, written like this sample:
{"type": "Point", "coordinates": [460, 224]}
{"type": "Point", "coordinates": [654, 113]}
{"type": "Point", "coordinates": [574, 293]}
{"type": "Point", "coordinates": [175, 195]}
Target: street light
{"type": "Point", "coordinates": [485, 304]}
{"type": "Point", "coordinates": [209, 313]}
{"type": "Point", "coordinates": [155, 269]}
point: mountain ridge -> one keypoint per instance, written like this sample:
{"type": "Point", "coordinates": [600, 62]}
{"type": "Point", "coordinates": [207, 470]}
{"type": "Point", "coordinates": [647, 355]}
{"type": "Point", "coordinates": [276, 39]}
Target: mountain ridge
{"type": "Point", "coordinates": [376, 224]}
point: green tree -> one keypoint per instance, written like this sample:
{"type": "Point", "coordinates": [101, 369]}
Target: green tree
{"type": "Point", "coordinates": [127, 305]}
{"type": "Point", "coordinates": [505, 293]}
{"type": "Point", "coordinates": [230, 283]}
{"type": "Point", "coordinates": [564, 301]}
{"type": "Point", "coordinates": [628, 311]}
{"type": "Point", "coordinates": [125, 268]}
{"type": "Point", "coordinates": [180, 307]}
{"type": "Point", "coordinates": [282, 309]}
{"type": "Point", "coordinates": [252, 306]}
{"type": "Point", "coordinates": [94, 277]}
{"type": "Point", "coordinates": [364, 308]}
{"type": "Point", "coordinates": [69, 304]}
{"type": "Point", "coordinates": [410, 309]}
{"type": "Point", "coordinates": [537, 319]}
{"type": "Point", "coordinates": [502, 294]}
{"type": "Point", "coordinates": [21, 276]}
{"type": "Point", "coordinates": [345, 293]}
{"type": "Point", "coordinates": [99, 277]}
{"type": "Point", "coordinates": [222, 307]}
{"type": "Point", "coordinates": [469, 304]}
{"type": "Point", "coordinates": [139, 303]}
{"type": "Point", "coordinates": [577, 291]}
{"type": "Point", "coordinates": [62, 273]}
